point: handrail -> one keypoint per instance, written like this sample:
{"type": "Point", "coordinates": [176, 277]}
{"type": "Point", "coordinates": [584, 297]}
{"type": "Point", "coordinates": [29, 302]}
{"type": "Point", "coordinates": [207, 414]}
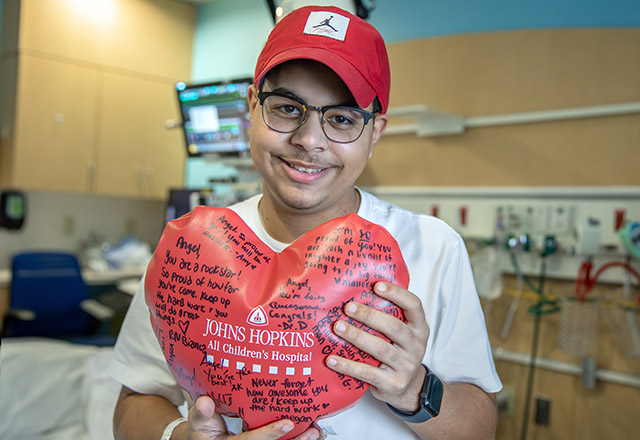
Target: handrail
{"type": "Point", "coordinates": [433, 123]}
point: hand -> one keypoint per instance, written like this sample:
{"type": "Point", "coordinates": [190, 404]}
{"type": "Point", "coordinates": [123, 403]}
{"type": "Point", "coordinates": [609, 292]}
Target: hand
{"type": "Point", "coordinates": [206, 424]}
{"type": "Point", "coordinates": [398, 380]}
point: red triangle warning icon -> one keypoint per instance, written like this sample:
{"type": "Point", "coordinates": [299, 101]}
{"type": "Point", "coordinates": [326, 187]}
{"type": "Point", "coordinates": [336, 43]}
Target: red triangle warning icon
{"type": "Point", "coordinates": [258, 317]}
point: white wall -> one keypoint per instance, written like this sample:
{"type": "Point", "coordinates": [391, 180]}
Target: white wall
{"type": "Point", "coordinates": [68, 221]}
{"type": "Point", "coordinates": [532, 212]}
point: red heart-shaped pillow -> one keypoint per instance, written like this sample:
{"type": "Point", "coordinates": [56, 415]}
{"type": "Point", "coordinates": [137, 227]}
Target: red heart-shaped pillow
{"type": "Point", "coordinates": [251, 327]}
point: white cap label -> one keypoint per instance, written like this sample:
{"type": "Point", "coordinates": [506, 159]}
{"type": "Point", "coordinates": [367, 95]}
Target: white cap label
{"type": "Point", "coordinates": [327, 24]}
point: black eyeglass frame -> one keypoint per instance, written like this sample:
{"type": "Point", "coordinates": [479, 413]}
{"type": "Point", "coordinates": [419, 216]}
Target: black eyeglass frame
{"type": "Point", "coordinates": [262, 96]}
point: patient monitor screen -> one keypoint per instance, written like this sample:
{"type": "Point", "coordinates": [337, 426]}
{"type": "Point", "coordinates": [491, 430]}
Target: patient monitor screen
{"type": "Point", "coordinates": [215, 117]}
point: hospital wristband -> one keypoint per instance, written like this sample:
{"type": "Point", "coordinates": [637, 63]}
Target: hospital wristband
{"type": "Point", "coordinates": [168, 431]}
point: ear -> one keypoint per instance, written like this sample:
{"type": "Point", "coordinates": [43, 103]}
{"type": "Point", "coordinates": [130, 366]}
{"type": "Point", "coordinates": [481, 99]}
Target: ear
{"type": "Point", "coordinates": [379, 126]}
{"type": "Point", "coordinates": [252, 98]}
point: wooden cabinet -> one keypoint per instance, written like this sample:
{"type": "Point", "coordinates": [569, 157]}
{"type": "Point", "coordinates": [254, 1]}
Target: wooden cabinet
{"type": "Point", "coordinates": [92, 95]}
{"type": "Point", "coordinates": [138, 155]}
{"type": "Point", "coordinates": [54, 126]}
{"type": "Point", "coordinates": [151, 37]}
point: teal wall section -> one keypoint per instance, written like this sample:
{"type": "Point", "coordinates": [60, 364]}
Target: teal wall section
{"type": "Point", "coordinates": [399, 20]}
{"type": "Point", "coordinates": [229, 36]}
{"type": "Point", "coordinates": [231, 33]}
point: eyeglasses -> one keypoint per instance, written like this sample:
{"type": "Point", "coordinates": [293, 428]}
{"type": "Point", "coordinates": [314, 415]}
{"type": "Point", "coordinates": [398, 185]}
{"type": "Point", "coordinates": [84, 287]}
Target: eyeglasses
{"type": "Point", "coordinates": [286, 114]}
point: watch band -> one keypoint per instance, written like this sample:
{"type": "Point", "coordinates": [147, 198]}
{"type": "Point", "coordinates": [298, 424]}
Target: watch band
{"type": "Point", "coordinates": [168, 431]}
{"type": "Point", "coordinates": [430, 400]}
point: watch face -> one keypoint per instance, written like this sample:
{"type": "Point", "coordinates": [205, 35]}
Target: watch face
{"type": "Point", "coordinates": [430, 401]}
{"type": "Point", "coordinates": [432, 394]}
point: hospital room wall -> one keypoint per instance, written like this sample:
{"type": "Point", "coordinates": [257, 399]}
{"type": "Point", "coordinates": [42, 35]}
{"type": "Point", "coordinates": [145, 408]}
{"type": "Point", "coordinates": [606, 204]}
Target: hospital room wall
{"type": "Point", "coordinates": [577, 409]}
{"type": "Point", "coordinates": [503, 58]}
{"type": "Point", "coordinates": [507, 72]}
{"type": "Point", "coordinates": [527, 57]}
{"type": "Point", "coordinates": [515, 71]}
{"type": "Point", "coordinates": [127, 52]}
{"type": "Point", "coordinates": [477, 72]}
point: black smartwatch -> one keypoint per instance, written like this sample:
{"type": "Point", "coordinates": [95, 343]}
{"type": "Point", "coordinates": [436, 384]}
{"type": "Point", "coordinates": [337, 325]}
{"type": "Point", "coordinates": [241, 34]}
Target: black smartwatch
{"type": "Point", "coordinates": [430, 400]}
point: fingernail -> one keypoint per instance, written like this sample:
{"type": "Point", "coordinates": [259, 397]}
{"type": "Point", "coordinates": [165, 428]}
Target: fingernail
{"type": "Point", "coordinates": [313, 436]}
{"type": "Point", "coordinates": [340, 327]}
{"type": "Point", "coordinates": [350, 308]}
{"type": "Point", "coordinates": [381, 287]}
{"type": "Point", "coordinates": [287, 427]}
{"type": "Point", "coordinates": [332, 362]}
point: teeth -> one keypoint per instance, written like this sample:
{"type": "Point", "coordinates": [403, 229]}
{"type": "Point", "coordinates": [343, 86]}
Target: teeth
{"type": "Point", "coordinates": [304, 170]}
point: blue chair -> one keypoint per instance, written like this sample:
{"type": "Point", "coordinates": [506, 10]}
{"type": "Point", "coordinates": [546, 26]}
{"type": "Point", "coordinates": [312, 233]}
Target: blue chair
{"type": "Point", "coordinates": [46, 291]}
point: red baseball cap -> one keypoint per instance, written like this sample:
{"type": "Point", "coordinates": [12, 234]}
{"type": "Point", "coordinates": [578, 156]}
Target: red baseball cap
{"type": "Point", "coordinates": [347, 44]}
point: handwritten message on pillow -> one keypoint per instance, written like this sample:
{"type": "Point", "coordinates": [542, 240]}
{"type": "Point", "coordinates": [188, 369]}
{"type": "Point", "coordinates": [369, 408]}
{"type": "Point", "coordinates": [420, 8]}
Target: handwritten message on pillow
{"type": "Point", "coordinates": [251, 327]}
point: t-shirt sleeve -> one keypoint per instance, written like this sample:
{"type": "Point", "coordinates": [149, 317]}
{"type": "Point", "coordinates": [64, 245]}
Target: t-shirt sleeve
{"type": "Point", "coordinates": [459, 349]}
{"type": "Point", "coordinates": [138, 362]}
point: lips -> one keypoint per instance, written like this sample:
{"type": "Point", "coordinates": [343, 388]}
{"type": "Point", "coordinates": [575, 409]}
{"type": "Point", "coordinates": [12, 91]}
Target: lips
{"type": "Point", "coordinates": [304, 172]}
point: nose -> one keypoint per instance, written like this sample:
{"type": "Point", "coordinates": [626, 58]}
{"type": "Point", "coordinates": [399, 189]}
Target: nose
{"type": "Point", "coordinates": [310, 135]}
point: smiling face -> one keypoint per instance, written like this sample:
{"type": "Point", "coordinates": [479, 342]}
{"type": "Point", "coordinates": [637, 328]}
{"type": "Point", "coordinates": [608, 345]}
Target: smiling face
{"type": "Point", "coordinates": [305, 173]}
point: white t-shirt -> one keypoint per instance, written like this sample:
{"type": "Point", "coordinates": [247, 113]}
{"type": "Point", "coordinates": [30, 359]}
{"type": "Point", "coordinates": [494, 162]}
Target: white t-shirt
{"type": "Point", "coordinates": [458, 348]}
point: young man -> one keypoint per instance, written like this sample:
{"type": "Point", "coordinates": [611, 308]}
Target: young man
{"type": "Point", "coordinates": [317, 109]}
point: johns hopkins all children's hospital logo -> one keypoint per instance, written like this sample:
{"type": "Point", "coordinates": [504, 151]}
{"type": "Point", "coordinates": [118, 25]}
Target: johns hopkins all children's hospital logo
{"type": "Point", "coordinates": [258, 317]}
{"type": "Point", "coordinates": [327, 24]}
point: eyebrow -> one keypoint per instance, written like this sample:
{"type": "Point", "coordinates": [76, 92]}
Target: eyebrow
{"type": "Point", "coordinates": [287, 92]}
{"type": "Point", "coordinates": [292, 95]}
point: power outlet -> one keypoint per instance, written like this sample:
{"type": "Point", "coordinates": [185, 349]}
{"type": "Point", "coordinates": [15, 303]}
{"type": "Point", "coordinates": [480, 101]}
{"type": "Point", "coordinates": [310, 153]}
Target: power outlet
{"type": "Point", "coordinates": [536, 219]}
{"type": "Point", "coordinates": [506, 401]}
{"type": "Point", "coordinates": [68, 224]}
{"type": "Point", "coordinates": [561, 219]}
{"type": "Point", "coordinates": [543, 411]}
{"type": "Point", "coordinates": [130, 226]}
{"type": "Point", "coordinates": [525, 219]}
{"type": "Point", "coordinates": [514, 218]}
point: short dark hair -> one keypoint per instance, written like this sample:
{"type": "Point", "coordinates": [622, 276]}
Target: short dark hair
{"type": "Point", "coordinates": [377, 107]}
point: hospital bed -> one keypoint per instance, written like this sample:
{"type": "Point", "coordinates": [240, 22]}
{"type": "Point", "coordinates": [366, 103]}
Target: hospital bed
{"type": "Point", "coordinates": [55, 390]}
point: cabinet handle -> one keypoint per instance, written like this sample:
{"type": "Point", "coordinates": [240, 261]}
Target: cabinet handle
{"type": "Point", "coordinates": [149, 179]}
{"type": "Point", "coordinates": [140, 179]}
{"type": "Point", "coordinates": [91, 171]}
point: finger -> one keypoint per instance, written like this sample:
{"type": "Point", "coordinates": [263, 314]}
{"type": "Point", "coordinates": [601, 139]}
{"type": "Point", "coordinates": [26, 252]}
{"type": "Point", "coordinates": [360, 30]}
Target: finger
{"type": "Point", "coordinates": [205, 408]}
{"type": "Point", "coordinates": [204, 423]}
{"type": "Point", "coordinates": [377, 347]}
{"type": "Point", "coordinates": [387, 324]}
{"type": "Point", "coordinates": [407, 335]}
{"type": "Point", "coordinates": [407, 301]}
{"type": "Point", "coordinates": [309, 434]}
{"type": "Point", "coordinates": [387, 382]}
{"type": "Point", "coordinates": [271, 431]}
{"type": "Point", "coordinates": [201, 414]}
{"type": "Point", "coordinates": [357, 370]}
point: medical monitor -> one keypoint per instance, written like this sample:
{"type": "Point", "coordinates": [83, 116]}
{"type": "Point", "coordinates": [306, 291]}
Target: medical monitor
{"type": "Point", "coordinates": [183, 200]}
{"type": "Point", "coordinates": [215, 117]}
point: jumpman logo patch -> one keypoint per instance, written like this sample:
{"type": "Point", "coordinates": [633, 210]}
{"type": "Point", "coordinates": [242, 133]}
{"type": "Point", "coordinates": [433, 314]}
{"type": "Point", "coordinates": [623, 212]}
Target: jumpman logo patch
{"type": "Point", "coordinates": [327, 24]}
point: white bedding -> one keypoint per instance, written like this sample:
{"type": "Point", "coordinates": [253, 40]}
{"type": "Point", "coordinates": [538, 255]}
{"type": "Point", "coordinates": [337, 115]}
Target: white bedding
{"type": "Point", "coordinates": [54, 390]}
